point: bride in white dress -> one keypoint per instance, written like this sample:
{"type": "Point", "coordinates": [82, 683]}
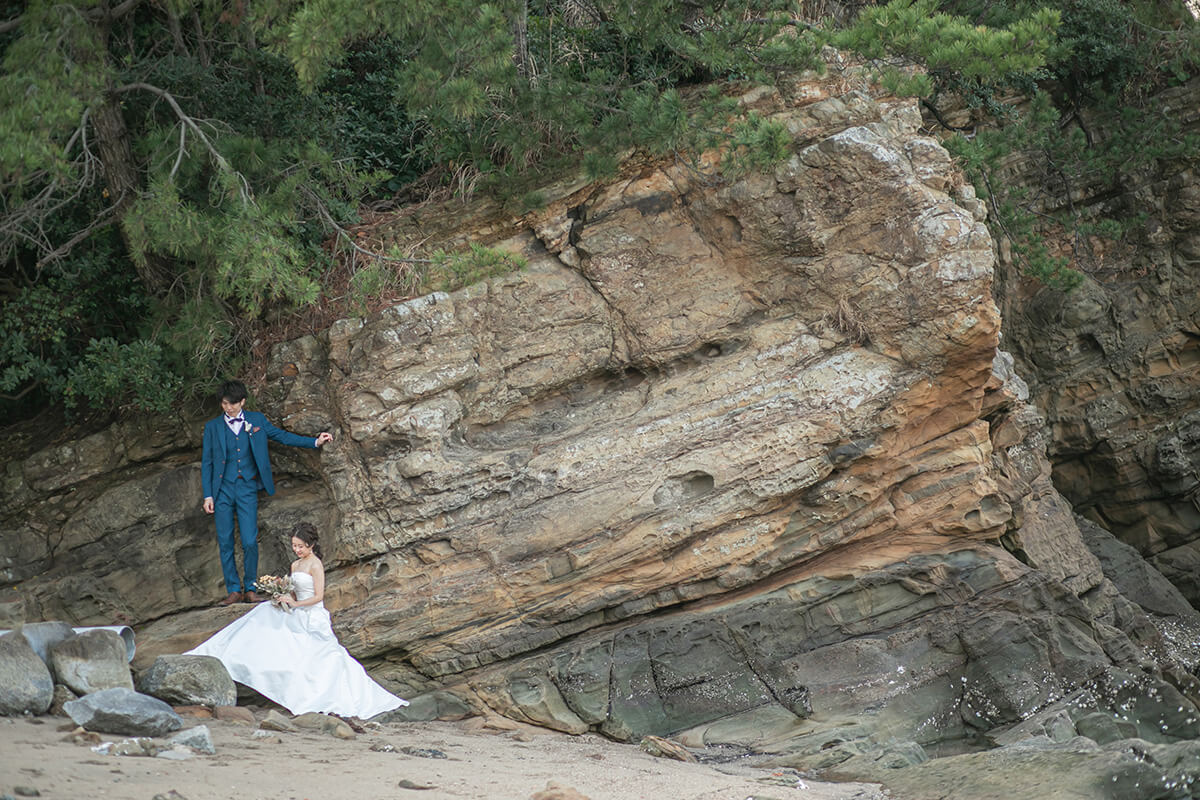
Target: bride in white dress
{"type": "Point", "coordinates": [288, 653]}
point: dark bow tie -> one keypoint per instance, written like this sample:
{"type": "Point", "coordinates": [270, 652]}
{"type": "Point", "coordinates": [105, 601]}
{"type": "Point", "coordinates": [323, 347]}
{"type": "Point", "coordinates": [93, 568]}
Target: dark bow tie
{"type": "Point", "coordinates": [232, 420]}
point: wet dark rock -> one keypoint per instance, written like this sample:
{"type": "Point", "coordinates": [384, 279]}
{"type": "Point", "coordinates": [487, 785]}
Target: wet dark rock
{"type": "Point", "coordinates": [1079, 769]}
{"type": "Point", "coordinates": [1135, 577]}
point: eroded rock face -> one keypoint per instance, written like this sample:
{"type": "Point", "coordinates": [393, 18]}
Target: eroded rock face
{"type": "Point", "coordinates": [735, 460]}
{"type": "Point", "coordinates": [1115, 364]}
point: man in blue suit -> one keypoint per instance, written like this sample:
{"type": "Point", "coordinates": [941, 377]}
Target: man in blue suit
{"type": "Point", "coordinates": [234, 467]}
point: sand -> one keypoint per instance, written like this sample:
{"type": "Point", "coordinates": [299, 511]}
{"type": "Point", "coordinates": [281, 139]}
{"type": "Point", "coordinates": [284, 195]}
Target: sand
{"type": "Point", "coordinates": [481, 762]}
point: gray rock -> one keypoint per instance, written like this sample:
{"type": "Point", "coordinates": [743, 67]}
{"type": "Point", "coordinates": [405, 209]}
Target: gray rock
{"type": "Point", "coordinates": [198, 738]}
{"type": "Point", "coordinates": [123, 711]}
{"type": "Point", "coordinates": [25, 682]}
{"type": "Point", "coordinates": [43, 635]}
{"type": "Point", "coordinates": [274, 721]}
{"type": "Point", "coordinates": [1133, 575]}
{"type": "Point", "coordinates": [184, 680]}
{"type": "Point", "coordinates": [91, 661]}
{"type": "Point", "coordinates": [439, 705]}
{"type": "Point", "coordinates": [1104, 728]}
{"type": "Point", "coordinates": [1041, 769]}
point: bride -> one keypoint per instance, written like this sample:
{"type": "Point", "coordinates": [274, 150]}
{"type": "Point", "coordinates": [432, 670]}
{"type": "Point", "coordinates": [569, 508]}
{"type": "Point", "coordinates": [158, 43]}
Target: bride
{"type": "Point", "coordinates": [288, 653]}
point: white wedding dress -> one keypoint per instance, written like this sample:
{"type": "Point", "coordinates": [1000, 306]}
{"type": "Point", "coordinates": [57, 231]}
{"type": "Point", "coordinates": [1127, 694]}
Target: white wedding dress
{"type": "Point", "coordinates": [293, 658]}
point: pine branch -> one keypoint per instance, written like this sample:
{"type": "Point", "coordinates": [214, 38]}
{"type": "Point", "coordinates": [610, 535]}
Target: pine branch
{"type": "Point", "coordinates": [932, 109]}
{"type": "Point", "coordinates": [26, 222]}
{"type": "Point", "coordinates": [187, 122]}
{"type": "Point", "coordinates": [107, 217]}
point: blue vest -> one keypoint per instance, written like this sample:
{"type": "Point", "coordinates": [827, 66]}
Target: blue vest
{"type": "Point", "coordinates": [239, 462]}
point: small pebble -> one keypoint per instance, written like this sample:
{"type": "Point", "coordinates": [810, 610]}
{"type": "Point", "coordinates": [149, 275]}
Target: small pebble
{"type": "Point", "coordinates": [407, 784]}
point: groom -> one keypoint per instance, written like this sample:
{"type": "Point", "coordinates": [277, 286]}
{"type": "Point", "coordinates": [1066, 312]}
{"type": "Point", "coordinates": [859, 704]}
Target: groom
{"type": "Point", "coordinates": [234, 467]}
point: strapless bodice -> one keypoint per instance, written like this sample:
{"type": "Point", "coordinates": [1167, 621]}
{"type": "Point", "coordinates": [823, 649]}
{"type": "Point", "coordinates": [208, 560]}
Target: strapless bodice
{"type": "Point", "coordinates": [302, 585]}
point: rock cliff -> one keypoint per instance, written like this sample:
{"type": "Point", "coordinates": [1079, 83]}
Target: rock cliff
{"type": "Point", "coordinates": [734, 460]}
{"type": "Point", "coordinates": [1115, 364]}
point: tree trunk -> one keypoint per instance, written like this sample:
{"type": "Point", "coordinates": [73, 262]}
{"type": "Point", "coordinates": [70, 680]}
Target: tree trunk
{"type": "Point", "coordinates": [118, 168]}
{"type": "Point", "coordinates": [520, 29]}
{"type": "Point", "coordinates": [122, 182]}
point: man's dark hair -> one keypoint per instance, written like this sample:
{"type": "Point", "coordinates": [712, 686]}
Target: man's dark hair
{"type": "Point", "coordinates": [233, 391]}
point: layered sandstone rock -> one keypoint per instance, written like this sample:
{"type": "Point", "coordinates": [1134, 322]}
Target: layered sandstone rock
{"type": "Point", "coordinates": [735, 460]}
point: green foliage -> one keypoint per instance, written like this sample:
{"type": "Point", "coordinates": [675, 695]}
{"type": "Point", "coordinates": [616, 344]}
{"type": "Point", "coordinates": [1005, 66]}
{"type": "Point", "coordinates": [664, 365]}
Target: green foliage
{"type": "Point", "coordinates": [756, 144]}
{"type": "Point", "coordinates": [46, 327]}
{"type": "Point", "coordinates": [233, 181]}
{"type": "Point", "coordinates": [369, 125]}
{"type": "Point", "coordinates": [175, 174]}
{"type": "Point", "coordinates": [947, 45]}
{"type": "Point", "coordinates": [513, 90]}
{"type": "Point", "coordinates": [383, 278]}
{"type": "Point", "coordinates": [113, 375]}
{"type": "Point", "coordinates": [453, 270]}
{"type": "Point", "coordinates": [1101, 52]}
{"type": "Point", "coordinates": [1062, 162]}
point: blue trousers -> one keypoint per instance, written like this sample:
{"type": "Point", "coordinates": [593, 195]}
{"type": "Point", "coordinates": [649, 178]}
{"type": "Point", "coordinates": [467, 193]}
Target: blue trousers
{"type": "Point", "coordinates": [238, 498]}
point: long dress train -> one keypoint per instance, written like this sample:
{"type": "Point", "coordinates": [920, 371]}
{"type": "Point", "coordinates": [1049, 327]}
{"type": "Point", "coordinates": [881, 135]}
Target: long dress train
{"type": "Point", "coordinates": [293, 658]}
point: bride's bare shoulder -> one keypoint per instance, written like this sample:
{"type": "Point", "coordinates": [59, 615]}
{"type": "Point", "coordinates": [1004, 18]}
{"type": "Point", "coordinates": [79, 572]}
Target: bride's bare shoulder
{"type": "Point", "coordinates": [310, 566]}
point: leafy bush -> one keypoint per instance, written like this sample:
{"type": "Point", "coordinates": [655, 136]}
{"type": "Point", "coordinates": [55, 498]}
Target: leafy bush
{"type": "Point", "coordinates": [112, 375]}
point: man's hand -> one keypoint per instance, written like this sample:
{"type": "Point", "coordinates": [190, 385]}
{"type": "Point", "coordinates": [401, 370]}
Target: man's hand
{"type": "Point", "coordinates": [324, 437]}
{"type": "Point", "coordinates": [208, 505]}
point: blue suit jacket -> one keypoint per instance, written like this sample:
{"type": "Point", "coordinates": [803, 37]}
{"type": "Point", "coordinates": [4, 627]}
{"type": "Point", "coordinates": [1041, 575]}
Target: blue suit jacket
{"type": "Point", "coordinates": [212, 459]}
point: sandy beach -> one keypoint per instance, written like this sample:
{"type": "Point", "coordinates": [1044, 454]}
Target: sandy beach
{"type": "Point", "coordinates": [40, 755]}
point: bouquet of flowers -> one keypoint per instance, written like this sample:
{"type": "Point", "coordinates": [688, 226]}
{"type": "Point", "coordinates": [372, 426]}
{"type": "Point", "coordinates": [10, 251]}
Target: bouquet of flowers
{"type": "Point", "coordinates": [275, 586]}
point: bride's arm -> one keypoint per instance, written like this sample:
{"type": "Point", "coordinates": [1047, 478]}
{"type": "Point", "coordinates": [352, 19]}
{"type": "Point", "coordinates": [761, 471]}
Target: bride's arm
{"type": "Point", "coordinates": [318, 576]}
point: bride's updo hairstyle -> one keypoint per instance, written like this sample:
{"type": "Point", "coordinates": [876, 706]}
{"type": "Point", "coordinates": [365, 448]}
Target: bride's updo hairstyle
{"type": "Point", "coordinates": [307, 533]}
